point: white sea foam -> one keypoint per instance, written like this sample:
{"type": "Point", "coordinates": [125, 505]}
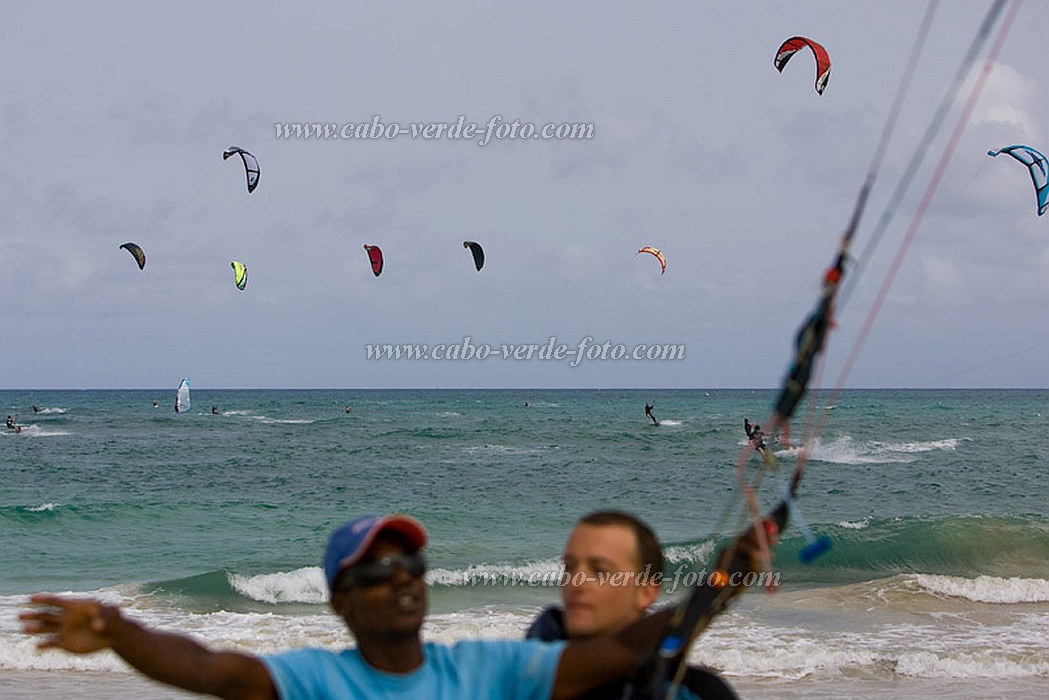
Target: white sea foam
{"type": "Point", "coordinates": [987, 589]}
{"type": "Point", "coordinates": [680, 554]}
{"type": "Point", "coordinates": [536, 573]}
{"type": "Point", "coordinates": [505, 449]}
{"type": "Point", "coordinates": [282, 421]}
{"type": "Point", "coordinates": [985, 664]}
{"type": "Point", "coordinates": [762, 637]}
{"type": "Point", "coordinates": [799, 645]}
{"type": "Point", "coordinates": [305, 585]}
{"type": "Point", "coordinates": [258, 633]}
{"type": "Point", "coordinates": [946, 445]}
{"type": "Point", "coordinates": [481, 623]}
{"type": "Point", "coordinates": [846, 450]}
{"type": "Point", "coordinates": [779, 657]}
{"type": "Point", "coordinates": [34, 430]}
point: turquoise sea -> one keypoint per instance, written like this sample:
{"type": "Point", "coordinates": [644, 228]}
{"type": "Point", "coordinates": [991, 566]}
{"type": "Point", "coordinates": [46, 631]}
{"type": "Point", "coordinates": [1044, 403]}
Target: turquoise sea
{"type": "Point", "coordinates": [213, 525]}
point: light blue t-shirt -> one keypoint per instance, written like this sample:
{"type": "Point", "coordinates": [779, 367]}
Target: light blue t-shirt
{"type": "Point", "coordinates": [468, 669]}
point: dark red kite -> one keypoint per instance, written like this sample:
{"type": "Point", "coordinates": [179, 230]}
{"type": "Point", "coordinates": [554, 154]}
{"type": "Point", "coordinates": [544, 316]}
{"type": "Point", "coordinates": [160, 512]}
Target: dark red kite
{"type": "Point", "coordinates": [792, 46]}
{"type": "Point", "coordinates": [375, 255]}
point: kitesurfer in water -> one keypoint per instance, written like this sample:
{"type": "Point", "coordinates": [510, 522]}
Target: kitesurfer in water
{"type": "Point", "coordinates": [214, 410]}
{"type": "Point", "coordinates": [755, 434]}
{"type": "Point", "coordinates": [12, 425]}
{"type": "Point", "coordinates": [36, 409]}
{"type": "Point", "coordinates": [612, 543]}
{"type": "Point", "coordinates": [648, 412]}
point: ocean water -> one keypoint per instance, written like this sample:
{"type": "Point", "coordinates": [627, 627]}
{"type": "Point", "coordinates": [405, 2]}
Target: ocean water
{"type": "Point", "coordinates": [213, 525]}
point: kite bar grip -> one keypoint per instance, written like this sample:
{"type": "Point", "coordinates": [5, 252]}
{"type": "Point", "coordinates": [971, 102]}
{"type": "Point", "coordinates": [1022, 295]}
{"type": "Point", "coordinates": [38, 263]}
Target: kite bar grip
{"type": "Point", "coordinates": [671, 646]}
{"type": "Point", "coordinates": [814, 549]}
{"type": "Point", "coordinates": [816, 546]}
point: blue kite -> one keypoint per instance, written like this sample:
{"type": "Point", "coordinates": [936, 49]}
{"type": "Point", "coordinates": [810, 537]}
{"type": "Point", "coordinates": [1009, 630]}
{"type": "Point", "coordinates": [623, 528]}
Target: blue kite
{"type": "Point", "coordinates": [1036, 163]}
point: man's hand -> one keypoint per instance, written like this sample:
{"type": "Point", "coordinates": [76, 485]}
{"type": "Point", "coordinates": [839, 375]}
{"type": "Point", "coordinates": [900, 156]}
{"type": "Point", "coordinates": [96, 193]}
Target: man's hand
{"type": "Point", "coordinates": [80, 626]}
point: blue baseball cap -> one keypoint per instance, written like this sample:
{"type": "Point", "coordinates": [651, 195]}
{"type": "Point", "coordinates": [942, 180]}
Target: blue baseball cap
{"type": "Point", "coordinates": [351, 540]}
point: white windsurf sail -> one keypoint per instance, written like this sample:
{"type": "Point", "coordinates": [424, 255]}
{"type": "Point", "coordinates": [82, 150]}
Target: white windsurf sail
{"type": "Point", "coordinates": [182, 397]}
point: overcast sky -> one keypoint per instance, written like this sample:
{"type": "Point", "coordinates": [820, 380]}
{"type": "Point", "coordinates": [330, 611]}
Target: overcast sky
{"type": "Point", "coordinates": [114, 117]}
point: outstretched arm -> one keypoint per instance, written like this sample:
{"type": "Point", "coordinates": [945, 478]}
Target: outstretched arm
{"type": "Point", "coordinates": [82, 626]}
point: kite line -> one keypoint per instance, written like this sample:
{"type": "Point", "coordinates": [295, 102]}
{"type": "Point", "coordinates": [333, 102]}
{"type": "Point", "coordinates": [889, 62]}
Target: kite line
{"type": "Point", "coordinates": [710, 597]}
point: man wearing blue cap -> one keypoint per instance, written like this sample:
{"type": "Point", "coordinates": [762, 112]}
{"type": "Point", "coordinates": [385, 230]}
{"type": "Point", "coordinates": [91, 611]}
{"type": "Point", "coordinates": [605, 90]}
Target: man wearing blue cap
{"type": "Point", "coordinates": [375, 568]}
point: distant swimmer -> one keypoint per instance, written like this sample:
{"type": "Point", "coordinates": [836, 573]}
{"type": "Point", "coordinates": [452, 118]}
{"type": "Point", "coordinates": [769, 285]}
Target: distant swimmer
{"type": "Point", "coordinates": [648, 412]}
{"type": "Point", "coordinates": [349, 409]}
{"type": "Point", "coordinates": [755, 434]}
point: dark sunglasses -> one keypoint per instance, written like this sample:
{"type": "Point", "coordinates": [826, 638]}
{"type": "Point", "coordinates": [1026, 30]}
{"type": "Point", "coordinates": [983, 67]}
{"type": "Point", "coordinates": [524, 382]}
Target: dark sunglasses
{"type": "Point", "coordinates": [382, 570]}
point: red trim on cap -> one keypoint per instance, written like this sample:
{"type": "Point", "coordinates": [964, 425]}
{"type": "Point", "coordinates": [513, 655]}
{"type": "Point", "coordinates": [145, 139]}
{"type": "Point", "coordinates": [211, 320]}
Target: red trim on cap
{"type": "Point", "coordinates": [404, 525]}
